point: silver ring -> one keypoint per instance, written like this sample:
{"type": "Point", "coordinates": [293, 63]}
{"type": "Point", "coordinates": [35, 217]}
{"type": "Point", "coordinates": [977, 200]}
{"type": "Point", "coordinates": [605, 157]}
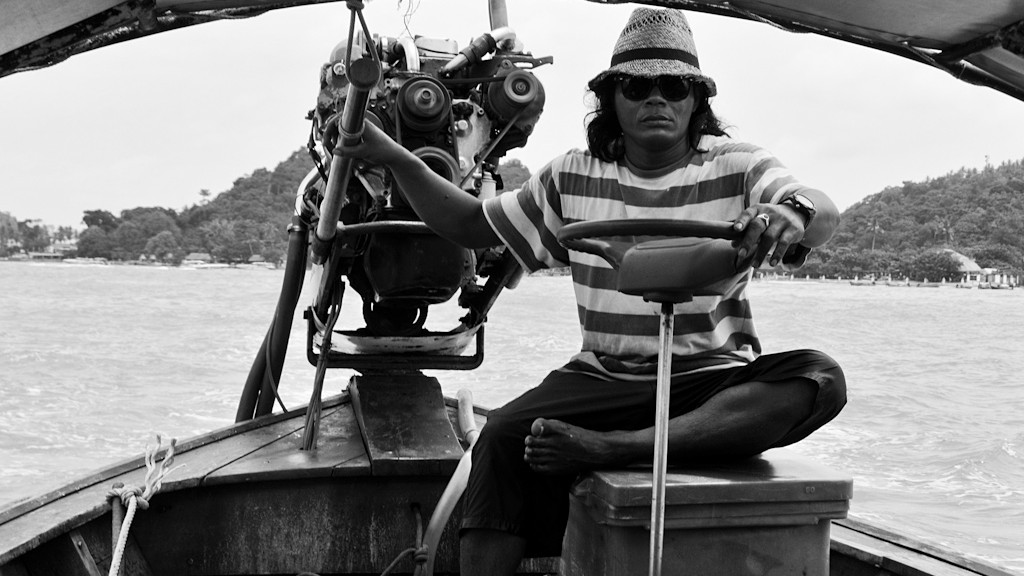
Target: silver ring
{"type": "Point", "coordinates": [767, 219]}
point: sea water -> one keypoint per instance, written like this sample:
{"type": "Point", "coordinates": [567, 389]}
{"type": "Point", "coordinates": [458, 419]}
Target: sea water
{"type": "Point", "coordinates": [94, 360]}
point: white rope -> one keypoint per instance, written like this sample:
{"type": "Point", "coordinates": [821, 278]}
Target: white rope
{"type": "Point", "coordinates": [122, 538]}
{"type": "Point", "coordinates": [133, 497]}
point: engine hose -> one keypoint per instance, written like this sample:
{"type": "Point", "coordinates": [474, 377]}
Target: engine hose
{"type": "Point", "coordinates": [291, 290]}
{"type": "Point", "coordinates": [411, 52]}
{"type": "Point", "coordinates": [253, 383]}
{"type": "Point", "coordinates": [466, 417]}
{"type": "Point", "coordinates": [260, 389]}
{"type": "Point", "coordinates": [478, 48]}
{"type": "Point", "coordinates": [456, 486]}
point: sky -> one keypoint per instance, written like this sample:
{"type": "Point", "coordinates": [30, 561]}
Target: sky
{"type": "Point", "coordinates": [154, 121]}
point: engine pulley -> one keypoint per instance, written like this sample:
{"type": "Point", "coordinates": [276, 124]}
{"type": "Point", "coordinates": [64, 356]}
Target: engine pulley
{"type": "Point", "coordinates": [424, 104]}
{"type": "Point", "coordinates": [440, 162]}
{"type": "Point", "coordinates": [518, 90]}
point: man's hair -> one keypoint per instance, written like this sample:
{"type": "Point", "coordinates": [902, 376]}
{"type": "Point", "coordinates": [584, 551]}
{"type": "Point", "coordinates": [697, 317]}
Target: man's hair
{"type": "Point", "coordinates": [604, 133]}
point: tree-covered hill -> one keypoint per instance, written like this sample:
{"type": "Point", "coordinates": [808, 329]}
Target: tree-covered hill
{"type": "Point", "coordinates": [978, 213]}
{"type": "Point", "coordinates": [249, 219]}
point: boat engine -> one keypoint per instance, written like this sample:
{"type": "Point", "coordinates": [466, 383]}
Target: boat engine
{"type": "Point", "coordinates": [460, 111]}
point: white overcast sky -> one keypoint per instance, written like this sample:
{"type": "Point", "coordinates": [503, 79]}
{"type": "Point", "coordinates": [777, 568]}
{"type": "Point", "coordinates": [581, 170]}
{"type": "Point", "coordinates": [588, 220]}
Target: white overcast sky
{"type": "Point", "coordinates": [154, 121]}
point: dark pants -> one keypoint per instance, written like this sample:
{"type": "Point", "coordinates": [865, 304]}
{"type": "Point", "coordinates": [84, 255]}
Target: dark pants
{"type": "Point", "coordinates": [505, 494]}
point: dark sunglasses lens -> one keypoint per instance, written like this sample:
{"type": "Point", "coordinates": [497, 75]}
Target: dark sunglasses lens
{"type": "Point", "coordinates": [673, 87]}
{"type": "Point", "coordinates": [635, 88]}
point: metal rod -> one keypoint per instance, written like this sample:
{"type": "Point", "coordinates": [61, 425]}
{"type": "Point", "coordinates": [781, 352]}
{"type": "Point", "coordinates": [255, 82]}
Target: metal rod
{"type": "Point", "coordinates": [661, 438]}
{"type": "Point", "coordinates": [498, 13]}
{"type": "Point", "coordinates": [384, 227]}
{"type": "Point", "coordinates": [363, 75]}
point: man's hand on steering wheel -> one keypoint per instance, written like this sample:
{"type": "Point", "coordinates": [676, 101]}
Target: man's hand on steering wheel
{"type": "Point", "coordinates": [767, 225]}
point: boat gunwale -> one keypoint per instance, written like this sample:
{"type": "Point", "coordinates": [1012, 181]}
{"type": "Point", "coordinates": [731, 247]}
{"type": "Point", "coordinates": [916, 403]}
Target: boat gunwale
{"type": "Point", "coordinates": [912, 545]}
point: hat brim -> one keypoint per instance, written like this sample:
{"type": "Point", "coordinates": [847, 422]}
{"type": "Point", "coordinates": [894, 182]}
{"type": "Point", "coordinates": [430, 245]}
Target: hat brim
{"type": "Point", "coordinates": [653, 68]}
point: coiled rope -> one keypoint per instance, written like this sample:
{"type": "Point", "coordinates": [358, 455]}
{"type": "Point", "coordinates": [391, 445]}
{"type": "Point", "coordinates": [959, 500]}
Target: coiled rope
{"type": "Point", "coordinates": [134, 497]}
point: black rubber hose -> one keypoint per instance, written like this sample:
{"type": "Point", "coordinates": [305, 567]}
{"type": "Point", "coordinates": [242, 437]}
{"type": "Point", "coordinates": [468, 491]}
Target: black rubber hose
{"type": "Point", "coordinates": [260, 387]}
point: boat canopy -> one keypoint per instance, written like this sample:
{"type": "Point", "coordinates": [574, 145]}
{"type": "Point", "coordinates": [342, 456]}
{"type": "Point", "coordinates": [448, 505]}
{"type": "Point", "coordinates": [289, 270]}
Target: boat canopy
{"type": "Point", "coordinates": [980, 41]}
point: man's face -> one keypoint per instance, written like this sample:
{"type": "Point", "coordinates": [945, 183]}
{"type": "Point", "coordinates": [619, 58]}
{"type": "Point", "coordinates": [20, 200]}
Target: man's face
{"type": "Point", "coordinates": [654, 119]}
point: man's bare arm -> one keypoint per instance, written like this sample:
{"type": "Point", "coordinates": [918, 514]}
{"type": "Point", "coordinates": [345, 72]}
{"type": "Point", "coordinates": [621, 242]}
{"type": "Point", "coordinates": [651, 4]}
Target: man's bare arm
{"type": "Point", "coordinates": [449, 211]}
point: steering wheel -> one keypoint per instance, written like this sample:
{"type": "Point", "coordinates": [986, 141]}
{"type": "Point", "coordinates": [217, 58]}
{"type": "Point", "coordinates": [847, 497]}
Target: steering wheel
{"type": "Point", "coordinates": [698, 255]}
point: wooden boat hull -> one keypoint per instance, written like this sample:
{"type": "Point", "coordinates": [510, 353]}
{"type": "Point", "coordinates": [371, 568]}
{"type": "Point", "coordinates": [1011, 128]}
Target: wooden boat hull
{"type": "Point", "coordinates": [247, 500]}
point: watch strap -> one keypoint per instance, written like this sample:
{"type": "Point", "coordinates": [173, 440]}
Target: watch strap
{"type": "Point", "coordinates": [806, 211]}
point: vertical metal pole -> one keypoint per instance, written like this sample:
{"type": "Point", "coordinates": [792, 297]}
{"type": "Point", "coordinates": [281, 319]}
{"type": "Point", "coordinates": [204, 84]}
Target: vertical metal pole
{"type": "Point", "coordinates": [661, 438]}
{"type": "Point", "coordinates": [498, 12]}
{"type": "Point", "coordinates": [363, 75]}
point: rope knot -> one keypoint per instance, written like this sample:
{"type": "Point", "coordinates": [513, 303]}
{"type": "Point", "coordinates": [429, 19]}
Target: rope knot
{"type": "Point", "coordinates": [421, 555]}
{"type": "Point", "coordinates": [134, 497]}
{"type": "Point", "coordinates": [125, 493]}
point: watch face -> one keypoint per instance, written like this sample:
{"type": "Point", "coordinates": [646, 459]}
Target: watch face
{"type": "Point", "coordinates": [803, 201]}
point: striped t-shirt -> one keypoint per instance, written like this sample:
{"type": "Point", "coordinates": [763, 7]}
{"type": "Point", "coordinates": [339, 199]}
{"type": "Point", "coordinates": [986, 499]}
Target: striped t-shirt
{"type": "Point", "coordinates": [620, 332]}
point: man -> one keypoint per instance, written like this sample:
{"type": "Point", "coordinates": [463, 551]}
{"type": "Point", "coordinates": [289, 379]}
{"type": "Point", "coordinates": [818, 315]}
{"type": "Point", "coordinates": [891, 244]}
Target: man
{"type": "Point", "coordinates": [656, 150]}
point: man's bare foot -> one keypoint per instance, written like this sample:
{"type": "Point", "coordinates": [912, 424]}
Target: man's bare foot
{"type": "Point", "coordinates": [555, 447]}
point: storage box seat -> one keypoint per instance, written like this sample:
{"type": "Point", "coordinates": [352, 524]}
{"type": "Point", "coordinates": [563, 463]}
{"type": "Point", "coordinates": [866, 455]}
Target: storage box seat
{"type": "Point", "coordinates": [768, 515]}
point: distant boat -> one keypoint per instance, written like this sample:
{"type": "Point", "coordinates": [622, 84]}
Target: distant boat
{"type": "Point", "coordinates": [996, 286]}
{"type": "Point", "coordinates": [86, 261]}
{"type": "Point", "coordinates": [199, 265]}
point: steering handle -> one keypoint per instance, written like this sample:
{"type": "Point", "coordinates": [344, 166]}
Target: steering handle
{"type": "Point", "coordinates": [585, 236]}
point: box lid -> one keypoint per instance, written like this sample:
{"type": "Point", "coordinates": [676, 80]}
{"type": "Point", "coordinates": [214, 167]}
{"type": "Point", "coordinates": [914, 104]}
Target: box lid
{"type": "Point", "coordinates": [775, 489]}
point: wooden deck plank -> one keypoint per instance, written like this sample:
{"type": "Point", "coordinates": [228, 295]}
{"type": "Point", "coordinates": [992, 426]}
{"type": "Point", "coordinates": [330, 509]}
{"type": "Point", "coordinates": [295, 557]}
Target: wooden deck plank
{"type": "Point", "coordinates": [31, 523]}
{"type": "Point", "coordinates": [340, 451]}
{"type": "Point", "coordinates": [405, 425]}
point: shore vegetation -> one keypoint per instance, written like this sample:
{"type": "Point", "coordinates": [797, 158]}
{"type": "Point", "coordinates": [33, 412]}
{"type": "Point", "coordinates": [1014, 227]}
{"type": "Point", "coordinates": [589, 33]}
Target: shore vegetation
{"type": "Point", "coordinates": [902, 232]}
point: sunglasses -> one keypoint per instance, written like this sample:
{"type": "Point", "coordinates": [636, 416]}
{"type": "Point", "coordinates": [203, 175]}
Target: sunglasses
{"type": "Point", "coordinates": [672, 88]}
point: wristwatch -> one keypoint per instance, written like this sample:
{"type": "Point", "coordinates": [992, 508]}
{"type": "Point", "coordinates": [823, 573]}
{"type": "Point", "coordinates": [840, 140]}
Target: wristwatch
{"type": "Point", "coordinates": [802, 204]}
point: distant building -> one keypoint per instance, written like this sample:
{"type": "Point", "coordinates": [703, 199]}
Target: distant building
{"type": "Point", "coordinates": [974, 276]}
{"type": "Point", "coordinates": [196, 258]}
{"type": "Point", "coordinates": [64, 246]}
{"type": "Point", "coordinates": [971, 272]}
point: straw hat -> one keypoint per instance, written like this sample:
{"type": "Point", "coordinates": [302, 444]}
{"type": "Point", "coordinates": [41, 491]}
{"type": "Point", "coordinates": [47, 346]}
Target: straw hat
{"type": "Point", "coordinates": [656, 43]}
